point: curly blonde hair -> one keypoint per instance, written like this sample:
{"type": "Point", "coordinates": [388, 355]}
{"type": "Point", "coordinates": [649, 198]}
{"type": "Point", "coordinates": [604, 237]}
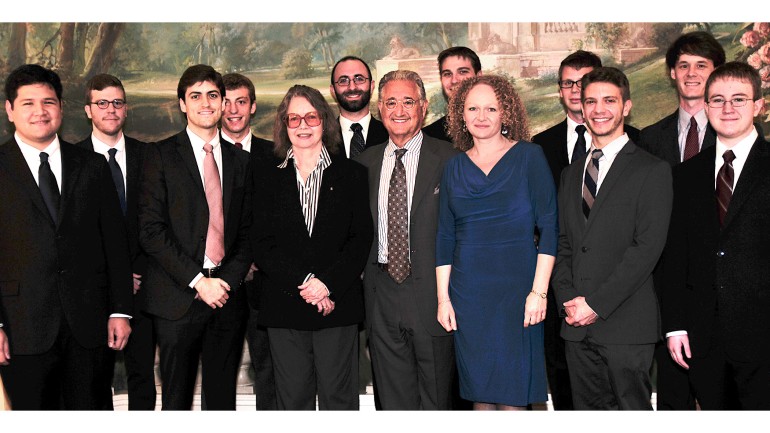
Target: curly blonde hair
{"type": "Point", "coordinates": [513, 114]}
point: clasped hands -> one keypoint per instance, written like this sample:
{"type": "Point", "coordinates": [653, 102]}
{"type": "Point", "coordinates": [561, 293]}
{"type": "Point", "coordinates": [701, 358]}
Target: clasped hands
{"type": "Point", "coordinates": [315, 292]}
{"type": "Point", "coordinates": [579, 313]}
{"type": "Point", "coordinates": [212, 291]}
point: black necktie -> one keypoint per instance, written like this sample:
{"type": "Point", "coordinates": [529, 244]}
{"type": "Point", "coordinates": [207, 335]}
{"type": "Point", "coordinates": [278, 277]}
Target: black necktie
{"type": "Point", "coordinates": [117, 178]}
{"type": "Point", "coordinates": [357, 144]}
{"type": "Point", "coordinates": [580, 145]}
{"type": "Point", "coordinates": [398, 221]}
{"type": "Point", "coordinates": [48, 187]}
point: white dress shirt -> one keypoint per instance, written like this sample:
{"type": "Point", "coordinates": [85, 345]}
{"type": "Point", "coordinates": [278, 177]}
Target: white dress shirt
{"type": "Point", "coordinates": [572, 137]}
{"type": "Point", "coordinates": [120, 155]}
{"type": "Point", "coordinates": [609, 152]}
{"type": "Point", "coordinates": [684, 128]}
{"type": "Point", "coordinates": [347, 133]}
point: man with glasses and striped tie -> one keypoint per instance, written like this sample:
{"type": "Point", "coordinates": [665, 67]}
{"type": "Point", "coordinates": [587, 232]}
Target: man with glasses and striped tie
{"type": "Point", "coordinates": [614, 208]}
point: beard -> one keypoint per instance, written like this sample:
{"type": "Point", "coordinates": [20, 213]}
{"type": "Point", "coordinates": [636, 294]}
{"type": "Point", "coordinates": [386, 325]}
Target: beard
{"type": "Point", "coordinates": [357, 105]}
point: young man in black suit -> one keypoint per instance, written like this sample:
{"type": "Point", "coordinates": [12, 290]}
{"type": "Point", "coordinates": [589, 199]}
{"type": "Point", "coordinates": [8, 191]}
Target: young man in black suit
{"type": "Point", "coordinates": [455, 65]}
{"type": "Point", "coordinates": [107, 107]}
{"type": "Point", "coordinates": [352, 86]}
{"type": "Point", "coordinates": [614, 208]}
{"type": "Point", "coordinates": [194, 217]}
{"type": "Point", "coordinates": [240, 106]}
{"type": "Point", "coordinates": [64, 266]}
{"type": "Point", "coordinates": [717, 279]}
{"type": "Point", "coordinates": [676, 138]}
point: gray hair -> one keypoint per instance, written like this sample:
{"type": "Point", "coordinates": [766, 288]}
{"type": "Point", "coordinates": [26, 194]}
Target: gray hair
{"type": "Point", "coordinates": [404, 75]}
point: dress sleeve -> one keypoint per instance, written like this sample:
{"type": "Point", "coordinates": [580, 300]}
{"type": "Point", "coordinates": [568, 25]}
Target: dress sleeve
{"type": "Point", "coordinates": [542, 194]}
{"type": "Point", "coordinates": [445, 237]}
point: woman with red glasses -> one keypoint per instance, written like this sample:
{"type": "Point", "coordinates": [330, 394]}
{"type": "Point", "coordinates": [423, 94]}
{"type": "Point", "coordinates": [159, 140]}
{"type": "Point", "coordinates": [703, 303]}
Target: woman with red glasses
{"type": "Point", "coordinates": [311, 233]}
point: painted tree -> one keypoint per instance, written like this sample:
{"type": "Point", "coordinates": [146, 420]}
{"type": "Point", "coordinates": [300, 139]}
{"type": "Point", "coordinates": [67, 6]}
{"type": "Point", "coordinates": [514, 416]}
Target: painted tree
{"type": "Point", "coordinates": [103, 53]}
{"type": "Point", "coordinates": [17, 45]}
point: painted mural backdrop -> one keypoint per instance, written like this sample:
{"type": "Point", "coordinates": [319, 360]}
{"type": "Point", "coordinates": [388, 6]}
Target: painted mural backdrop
{"type": "Point", "coordinates": [150, 57]}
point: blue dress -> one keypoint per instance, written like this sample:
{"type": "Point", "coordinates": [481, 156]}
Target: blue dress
{"type": "Point", "coordinates": [486, 232]}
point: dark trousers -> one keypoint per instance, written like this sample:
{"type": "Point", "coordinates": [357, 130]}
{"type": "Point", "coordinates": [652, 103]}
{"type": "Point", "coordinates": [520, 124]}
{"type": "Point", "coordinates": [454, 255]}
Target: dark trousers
{"type": "Point", "coordinates": [322, 362]}
{"type": "Point", "coordinates": [610, 376]}
{"type": "Point", "coordinates": [723, 383]}
{"type": "Point", "coordinates": [139, 356]}
{"type": "Point", "coordinates": [262, 362]}
{"type": "Point", "coordinates": [413, 370]}
{"type": "Point", "coordinates": [555, 358]}
{"type": "Point", "coordinates": [67, 376]}
{"type": "Point", "coordinates": [673, 382]}
{"type": "Point", "coordinates": [213, 336]}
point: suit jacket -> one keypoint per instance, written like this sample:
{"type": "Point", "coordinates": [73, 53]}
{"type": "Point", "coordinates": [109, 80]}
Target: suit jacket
{"type": "Point", "coordinates": [609, 258]}
{"type": "Point", "coordinates": [437, 130]}
{"type": "Point", "coordinates": [554, 143]}
{"type": "Point", "coordinates": [662, 139]}
{"type": "Point", "coordinates": [75, 269]}
{"type": "Point", "coordinates": [423, 224]}
{"type": "Point", "coordinates": [173, 222]}
{"type": "Point", "coordinates": [335, 253]}
{"type": "Point", "coordinates": [376, 134]}
{"type": "Point", "coordinates": [717, 280]}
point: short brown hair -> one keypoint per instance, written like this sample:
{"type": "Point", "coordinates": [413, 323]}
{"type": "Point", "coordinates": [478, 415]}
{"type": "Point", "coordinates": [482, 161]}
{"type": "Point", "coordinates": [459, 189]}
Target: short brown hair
{"type": "Point", "coordinates": [101, 82]}
{"type": "Point", "coordinates": [332, 136]}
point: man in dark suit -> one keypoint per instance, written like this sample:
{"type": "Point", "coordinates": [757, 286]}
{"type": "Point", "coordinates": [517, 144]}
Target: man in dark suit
{"type": "Point", "coordinates": [717, 279]}
{"type": "Point", "coordinates": [412, 355]}
{"type": "Point", "coordinates": [455, 65]}
{"type": "Point", "coordinates": [240, 106]}
{"type": "Point", "coordinates": [614, 207]}
{"type": "Point", "coordinates": [106, 106]}
{"type": "Point", "coordinates": [352, 86]}
{"type": "Point", "coordinates": [64, 266]}
{"type": "Point", "coordinates": [675, 138]}
{"type": "Point", "coordinates": [194, 216]}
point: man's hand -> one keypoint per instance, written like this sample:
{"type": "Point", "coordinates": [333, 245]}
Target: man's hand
{"type": "Point", "coordinates": [118, 330]}
{"type": "Point", "coordinates": [137, 282]}
{"type": "Point", "coordinates": [579, 313]}
{"type": "Point", "coordinates": [213, 291]}
{"type": "Point", "coordinates": [326, 306]}
{"type": "Point", "coordinates": [675, 345]}
{"type": "Point", "coordinates": [5, 349]}
{"type": "Point", "coordinates": [313, 291]}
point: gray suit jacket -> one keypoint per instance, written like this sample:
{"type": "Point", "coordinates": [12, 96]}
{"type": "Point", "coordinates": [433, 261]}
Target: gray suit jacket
{"type": "Point", "coordinates": [423, 224]}
{"type": "Point", "coordinates": [609, 258]}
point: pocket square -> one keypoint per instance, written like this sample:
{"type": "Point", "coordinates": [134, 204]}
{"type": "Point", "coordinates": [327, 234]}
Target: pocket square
{"type": "Point", "coordinates": [435, 190]}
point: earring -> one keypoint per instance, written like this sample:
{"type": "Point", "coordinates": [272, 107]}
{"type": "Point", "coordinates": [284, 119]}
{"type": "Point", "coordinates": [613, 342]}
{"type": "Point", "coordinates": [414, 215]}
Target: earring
{"type": "Point", "coordinates": [465, 128]}
{"type": "Point", "coordinates": [504, 130]}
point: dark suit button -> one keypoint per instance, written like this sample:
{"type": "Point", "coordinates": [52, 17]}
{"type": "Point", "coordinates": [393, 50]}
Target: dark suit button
{"type": "Point", "coordinates": [61, 271]}
{"type": "Point", "coordinates": [720, 253]}
{"type": "Point", "coordinates": [59, 237]}
{"type": "Point", "coordinates": [203, 239]}
{"type": "Point", "coordinates": [584, 249]}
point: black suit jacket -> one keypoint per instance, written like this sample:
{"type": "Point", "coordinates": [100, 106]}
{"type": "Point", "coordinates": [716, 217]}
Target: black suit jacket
{"type": "Point", "coordinates": [423, 224]}
{"type": "Point", "coordinates": [554, 143]}
{"type": "Point", "coordinates": [335, 253]}
{"type": "Point", "coordinates": [437, 130]}
{"type": "Point", "coordinates": [662, 139]}
{"type": "Point", "coordinates": [173, 222]}
{"type": "Point", "coordinates": [376, 134]}
{"type": "Point", "coordinates": [76, 269]}
{"type": "Point", "coordinates": [609, 258]}
{"type": "Point", "coordinates": [717, 280]}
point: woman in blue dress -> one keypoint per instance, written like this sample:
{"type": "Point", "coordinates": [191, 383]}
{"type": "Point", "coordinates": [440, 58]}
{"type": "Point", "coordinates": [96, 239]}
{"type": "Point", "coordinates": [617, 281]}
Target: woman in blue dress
{"type": "Point", "coordinates": [492, 274]}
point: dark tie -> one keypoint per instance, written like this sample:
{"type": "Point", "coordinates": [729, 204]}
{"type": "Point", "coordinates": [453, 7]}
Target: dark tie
{"type": "Point", "coordinates": [590, 181]}
{"type": "Point", "coordinates": [725, 185]}
{"type": "Point", "coordinates": [117, 178]}
{"type": "Point", "coordinates": [580, 145]}
{"type": "Point", "coordinates": [48, 187]}
{"type": "Point", "coordinates": [398, 220]}
{"type": "Point", "coordinates": [691, 143]}
{"type": "Point", "coordinates": [238, 145]}
{"type": "Point", "coordinates": [357, 144]}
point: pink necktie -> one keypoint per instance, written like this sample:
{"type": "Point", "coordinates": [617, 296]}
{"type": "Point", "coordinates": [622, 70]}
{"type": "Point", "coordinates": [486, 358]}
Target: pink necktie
{"type": "Point", "coordinates": [215, 237]}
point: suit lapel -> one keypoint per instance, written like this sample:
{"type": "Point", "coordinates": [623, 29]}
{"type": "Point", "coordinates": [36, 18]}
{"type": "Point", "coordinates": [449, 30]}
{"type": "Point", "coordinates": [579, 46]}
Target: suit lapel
{"type": "Point", "coordinates": [561, 149]}
{"type": "Point", "coordinates": [184, 148]}
{"type": "Point", "coordinates": [670, 135]}
{"type": "Point", "coordinates": [288, 194]}
{"type": "Point", "coordinates": [133, 170]}
{"type": "Point", "coordinates": [710, 139]}
{"type": "Point", "coordinates": [756, 166]}
{"type": "Point", "coordinates": [326, 201]}
{"type": "Point", "coordinates": [71, 168]}
{"type": "Point", "coordinates": [16, 165]}
{"type": "Point", "coordinates": [228, 175]}
{"type": "Point", "coordinates": [375, 171]}
{"type": "Point", "coordinates": [611, 179]}
{"type": "Point", "coordinates": [427, 168]}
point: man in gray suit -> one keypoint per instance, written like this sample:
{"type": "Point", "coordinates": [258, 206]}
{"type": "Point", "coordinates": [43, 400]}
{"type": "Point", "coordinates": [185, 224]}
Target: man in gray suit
{"type": "Point", "coordinates": [614, 208]}
{"type": "Point", "coordinates": [412, 355]}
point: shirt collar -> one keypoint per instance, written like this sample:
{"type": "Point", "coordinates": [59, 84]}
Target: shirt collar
{"type": "Point", "coordinates": [324, 160]}
{"type": "Point", "coordinates": [614, 147]}
{"type": "Point", "coordinates": [741, 149]}
{"type": "Point", "coordinates": [571, 125]}
{"type": "Point", "coordinates": [103, 148]}
{"type": "Point", "coordinates": [684, 119]}
{"type": "Point", "coordinates": [345, 123]}
{"type": "Point", "coordinates": [28, 149]}
{"type": "Point", "coordinates": [412, 145]}
{"type": "Point", "coordinates": [197, 142]}
{"type": "Point", "coordinates": [245, 142]}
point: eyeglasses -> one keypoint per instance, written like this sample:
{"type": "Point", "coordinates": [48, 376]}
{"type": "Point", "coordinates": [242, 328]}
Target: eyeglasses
{"type": "Point", "coordinates": [103, 103]}
{"type": "Point", "coordinates": [408, 104]}
{"type": "Point", "coordinates": [293, 120]}
{"type": "Point", "coordinates": [720, 102]}
{"type": "Point", "coordinates": [567, 84]}
{"type": "Point", "coordinates": [358, 80]}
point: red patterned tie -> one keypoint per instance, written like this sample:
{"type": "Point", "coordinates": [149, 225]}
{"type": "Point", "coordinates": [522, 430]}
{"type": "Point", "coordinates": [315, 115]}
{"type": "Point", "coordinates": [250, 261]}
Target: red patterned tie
{"type": "Point", "coordinates": [215, 236]}
{"type": "Point", "coordinates": [725, 185]}
{"type": "Point", "coordinates": [238, 145]}
{"type": "Point", "coordinates": [691, 147]}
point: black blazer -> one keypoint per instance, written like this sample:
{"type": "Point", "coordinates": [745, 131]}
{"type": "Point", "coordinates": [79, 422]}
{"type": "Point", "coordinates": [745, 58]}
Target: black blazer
{"type": "Point", "coordinates": [554, 143]}
{"type": "Point", "coordinates": [335, 253]}
{"type": "Point", "coordinates": [609, 259]}
{"type": "Point", "coordinates": [662, 139]}
{"type": "Point", "coordinates": [173, 222]}
{"type": "Point", "coordinates": [423, 224]}
{"type": "Point", "coordinates": [76, 269]}
{"type": "Point", "coordinates": [437, 130]}
{"type": "Point", "coordinates": [717, 281]}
